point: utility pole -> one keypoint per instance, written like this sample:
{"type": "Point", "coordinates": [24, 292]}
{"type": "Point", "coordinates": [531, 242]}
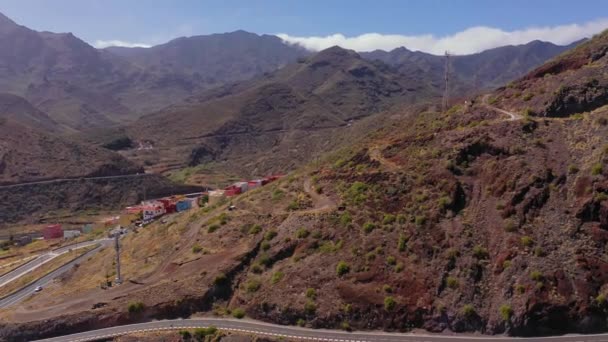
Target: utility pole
{"type": "Point", "coordinates": [118, 280]}
{"type": "Point", "coordinates": [446, 92]}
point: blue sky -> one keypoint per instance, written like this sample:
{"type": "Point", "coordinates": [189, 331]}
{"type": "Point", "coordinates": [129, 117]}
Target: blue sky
{"type": "Point", "coordinates": [156, 21]}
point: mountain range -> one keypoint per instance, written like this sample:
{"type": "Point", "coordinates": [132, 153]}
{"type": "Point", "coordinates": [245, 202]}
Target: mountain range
{"type": "Point", "coordinates": [80, 87]}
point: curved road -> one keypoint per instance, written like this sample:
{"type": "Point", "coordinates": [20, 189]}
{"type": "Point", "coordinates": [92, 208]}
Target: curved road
{"type": "Point", "coordinates": [512, 116]}
{"type": "Point", "coordinates": [290, 333]}
{"type": "Point", "coordinates": [20, 294]}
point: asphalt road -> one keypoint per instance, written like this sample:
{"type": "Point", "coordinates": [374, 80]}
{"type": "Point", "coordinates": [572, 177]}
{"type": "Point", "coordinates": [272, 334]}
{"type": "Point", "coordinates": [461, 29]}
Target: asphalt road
{"type": "Point", "coordinates": [44, 258]}
{"type": "Point", "coordinates": [22, 293]}
{"type": "Point", "coordinates": [59, 180]}
{"type": "Point", "coordinates": [250, 327]}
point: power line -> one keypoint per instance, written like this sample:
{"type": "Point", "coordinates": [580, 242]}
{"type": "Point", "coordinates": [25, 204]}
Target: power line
{"type": "Point", "coordinates": [446, 92]}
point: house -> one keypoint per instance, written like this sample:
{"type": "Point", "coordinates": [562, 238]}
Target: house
{"type": "Point", "coordinates": [53, 231]}
{"type": "Point", "coordinates": [243, 185]}
{"type": "Point", "coordinates": [233, 190]}
{"type": "Point", "coordinates": [256, 183]}
{"type": "Point", "coordinates": [169, 204]}
{"type": "Point", "coordinates": [183, 205]}
{"type": "Point", "coordinates": [152, 210]}
{"type": "Point", "coordinates": [70, 234]}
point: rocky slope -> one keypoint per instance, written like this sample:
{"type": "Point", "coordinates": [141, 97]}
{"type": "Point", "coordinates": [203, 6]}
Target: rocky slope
{"type": "Point", "coordinates": [28, 155]}
{"type": "Point", "coordinates": [18, 109]}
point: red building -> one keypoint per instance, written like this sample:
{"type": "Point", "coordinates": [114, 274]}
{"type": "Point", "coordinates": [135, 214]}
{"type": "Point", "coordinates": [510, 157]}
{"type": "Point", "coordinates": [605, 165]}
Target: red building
{"type": "Point", "coordinates": [169, 205]}
{"type": "Point", "coordinates": [232, 190]}
{"type": "Point", "coordinates": [53, 231]}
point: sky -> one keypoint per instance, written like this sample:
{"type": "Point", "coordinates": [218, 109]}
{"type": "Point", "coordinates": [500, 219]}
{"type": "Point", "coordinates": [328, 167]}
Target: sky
{"type": "Point", "coordinates": [434, 26]}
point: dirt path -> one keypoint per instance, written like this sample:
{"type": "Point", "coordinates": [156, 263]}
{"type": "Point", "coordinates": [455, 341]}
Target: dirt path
{"type": "Point", "coordinates": [375, 153]}
{"type": "Point", "coordinates": [321, 203]}
{"type": "Point", "coordinates": [512, 116]}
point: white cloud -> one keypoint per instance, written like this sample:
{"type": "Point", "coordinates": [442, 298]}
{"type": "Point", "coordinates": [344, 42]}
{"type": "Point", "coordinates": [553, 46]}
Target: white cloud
{"type": "Point", "coordinates": [471, 40]}
{"type": "Point", "coordinates": [100, 44]}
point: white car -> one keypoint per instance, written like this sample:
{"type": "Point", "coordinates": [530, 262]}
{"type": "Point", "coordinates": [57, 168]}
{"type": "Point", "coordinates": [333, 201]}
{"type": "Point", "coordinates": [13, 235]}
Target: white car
{"type": "Point", "coordinates": [38, 289]}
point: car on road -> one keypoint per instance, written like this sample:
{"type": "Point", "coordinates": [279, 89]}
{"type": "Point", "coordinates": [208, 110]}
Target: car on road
{"type": "Point", "coordinates": [38, 289]}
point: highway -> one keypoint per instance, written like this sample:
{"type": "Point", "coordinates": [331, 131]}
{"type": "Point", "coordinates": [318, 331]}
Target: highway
{"type": "Point", "coordinates": [290, 333]}
{"type": "Point", "coordinates": [22, 293]}
{"type": "Point", "coordinates": [44, 258]}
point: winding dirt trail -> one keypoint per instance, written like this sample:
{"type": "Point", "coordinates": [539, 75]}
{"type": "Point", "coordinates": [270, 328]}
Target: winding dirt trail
{"type": "Point", "coordinates": [321, 202]}
{"type": "Point", "coordinates": [512, 116]}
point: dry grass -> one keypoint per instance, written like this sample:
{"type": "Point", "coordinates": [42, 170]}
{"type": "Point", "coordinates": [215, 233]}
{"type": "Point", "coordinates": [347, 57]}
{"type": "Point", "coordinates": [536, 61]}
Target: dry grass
{"type": "Point", "coordinates": [42, 271]}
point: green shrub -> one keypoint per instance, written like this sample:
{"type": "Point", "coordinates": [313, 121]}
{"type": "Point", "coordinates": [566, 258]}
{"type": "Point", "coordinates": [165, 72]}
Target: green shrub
{"type": "Point", "coordinates": [536, 275]}
{"type": "Point", "coordinates": [506, 312]}
{"type": "Point", "coordinates": [220, 279]}
{"type": "Point", "coordinates": [387, 288]}
{"type": "Point", "coordinates": [452, 282]}
{"type": "Point", "coordinates": [539, 252]}
{"type": "Point", "coordinates": [301, 322]}
{"type": "Point", "coordinates": [399, 267]}
{"type": "Point", "coordinates": [276, 277]}
{"type": "Point", "coordinates": [520, 289]}
{"type": "Point", "coordinates": [401, 244]}
{"type": "Point", "coordinates": [600, 299]}
{"type": "Point", "coordinates": [444, 202]}
{"type": "Point", "coordinates": [572, 169]}
{"type": "Point", "coordinates": [271, 234]}
{"type": "Point", "coordinates": [255, 229]}
{"type": "Point", "coordinates": [277, 194]}
{"type": "Point", "coordinates": [135, 307]}
{"type": "Point", "coordinates": [302, 233]}
{"type": "Point", "coordinates": [345, 219]}
{"type": "Point", "coordinates": [368, 227]}
{"type": "Point", "coordinates": [388, 219]}
{"type": "Point", "coordinates": [264, 259]}
{"type": "Point", "coordinates": [389, 303]}
{"type": "Point", "coordinates": [185, 335]}
{"type": "Point", "coordinates": [238, 313]}
{"type": "Point", "coordinates": [526, 241]}
{"type": "Point", "coordinates": [452, 253]}
{"type": "Point", "coordinates": [311, 293]}
{"type": "Point", "coordinates": [345, 326]}
{"type": "Point", "coordinates": [356, 192]}
{"type": "Point", "coordinates": [468, 310]}
{"type": "Point", "coordinates": [310, 307]}
{"type": "Point", "coordinates": [420, 220]}
{"type": "Point", "coordinates": [597, 169]}
{"type": "Point", "coordinates": [506, 264]}
{"type": "Point", "coordinates": [342, 268]}
{"type": "Point", "coordinates": [212, 228]}
{"type": "Point", "coordinates": [197, 248]}
{"type": "Point", "coordinates": [201, 333]}
{"type": "Point", "coordinates": [528, 97]}
{"type": "Point", "coordinates": [391, 260]}
{"type": "Point", "coordinates": [256, 268]}
{"type": "Point", "coordinates": [347, 308]}
{"type": "Point", "coordinates": [293, 205]}
{"type": "Point", "coordinates": [265, 245]}
{"type": "Point", "coordinates": [252, 285]}
{"type": "Point", "coordinates": [480, 252]}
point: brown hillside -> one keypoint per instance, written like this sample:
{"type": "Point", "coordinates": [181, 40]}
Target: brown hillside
{"type": "Point", "coordinates": [298, 109]}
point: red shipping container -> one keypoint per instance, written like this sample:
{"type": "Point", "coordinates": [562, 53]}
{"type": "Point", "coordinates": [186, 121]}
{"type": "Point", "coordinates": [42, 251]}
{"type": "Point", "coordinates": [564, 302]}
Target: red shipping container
{"type": "Point", "coordinates": [53, 231]}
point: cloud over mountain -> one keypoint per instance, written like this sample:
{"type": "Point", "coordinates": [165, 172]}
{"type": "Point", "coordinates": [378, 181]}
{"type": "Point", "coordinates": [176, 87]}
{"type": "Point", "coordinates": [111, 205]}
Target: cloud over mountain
{"type": "Point", "coordinates": [471, 40]}
{"type": "Point", "coordinates": [100, 44]}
